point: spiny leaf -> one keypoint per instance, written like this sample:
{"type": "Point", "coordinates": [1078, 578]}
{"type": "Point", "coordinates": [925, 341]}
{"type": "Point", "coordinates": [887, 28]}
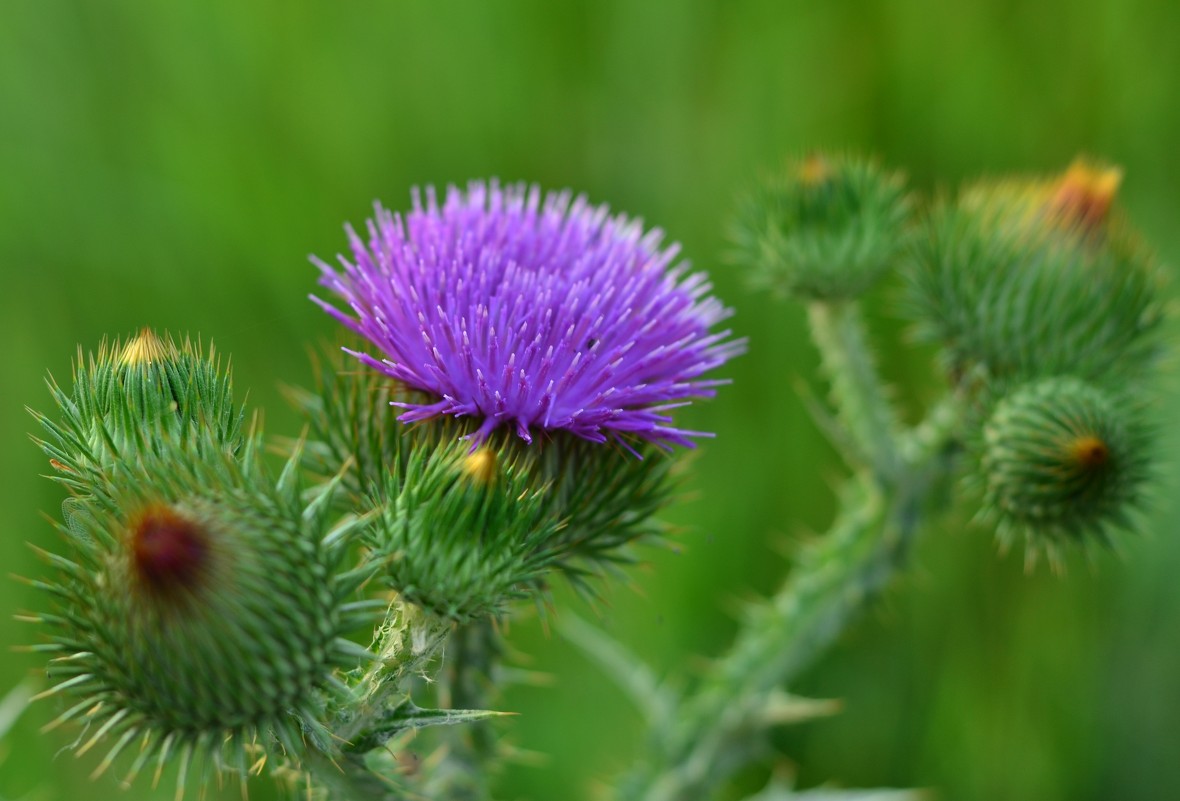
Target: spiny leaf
{"type": "Point", "coordinates": [407, 715]}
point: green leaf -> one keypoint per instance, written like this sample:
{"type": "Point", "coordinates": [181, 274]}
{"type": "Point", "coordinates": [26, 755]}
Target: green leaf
{"type": "Point", "coordinates": [13, 705]}
{"type": "Point", "coordinates": [407, 715]}
{"type": "Point", "coordinates": [657, 702]}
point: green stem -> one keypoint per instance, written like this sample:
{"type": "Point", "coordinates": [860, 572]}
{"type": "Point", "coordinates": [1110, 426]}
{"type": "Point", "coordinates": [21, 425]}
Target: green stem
{"type": "Point", "coordinates": [722, 723]}
{"type": "Point", "coordinates": [405, 645]}
{"type": "Point", "coordinates": [347, 778]}
{"type": "Point", "coordinates": [467, 682]}
{"type": "Point", "coordinates": [858, 395]}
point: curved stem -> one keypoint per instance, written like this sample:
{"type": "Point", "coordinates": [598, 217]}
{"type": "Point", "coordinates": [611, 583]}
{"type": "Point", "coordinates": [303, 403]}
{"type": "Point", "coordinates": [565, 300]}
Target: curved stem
{"type": "Point", "coordinates": [721, 725]}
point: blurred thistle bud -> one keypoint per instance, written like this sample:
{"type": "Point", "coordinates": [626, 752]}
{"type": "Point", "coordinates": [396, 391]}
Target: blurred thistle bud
{"type": "Point", "coordinates": [1025, 279]}
{"type": "Point", "coordinates": [199, 611]}
{"type": "Point", "coordinates": [825, 228]}
{"type": "Point", "coordinates": [1083, 196]}
{"type": "Point", "coordinates": [1079, 203]}
{"type": "Point", "coordinates": [145, 394]}
{"type": "Point", "coordinates": [1061, 461]}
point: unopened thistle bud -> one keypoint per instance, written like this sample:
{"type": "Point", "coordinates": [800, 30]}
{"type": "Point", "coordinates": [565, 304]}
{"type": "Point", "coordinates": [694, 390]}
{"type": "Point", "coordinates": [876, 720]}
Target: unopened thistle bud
{"type": "Point", "coordinates": [199, 613]}
{"type": "Point", "coordinates": [199, 609]}
{"type": "Point", "coordinates": [1026, 279]}
{"type": "Point", "coordinates": [1061, 461]}
{"type": "Point", "coordinates": [825, 228]}
{"type": "Point", "coordinates": [140, 396]}
{"type": "Point", "coordinates": [460, 533]}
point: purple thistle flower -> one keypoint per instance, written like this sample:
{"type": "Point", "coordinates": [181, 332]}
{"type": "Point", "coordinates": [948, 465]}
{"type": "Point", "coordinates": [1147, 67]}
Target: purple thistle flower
{"type": "Point", "coordinates": [541, 313]}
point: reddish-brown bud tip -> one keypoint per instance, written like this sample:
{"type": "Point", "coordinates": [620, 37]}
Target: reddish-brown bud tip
{"type": "Point", "coordinates": [169, 552]}
{"type": "Point", "coordinates": [1089, 452]}
{"type": "Point", "coordinates": [1085, 193]}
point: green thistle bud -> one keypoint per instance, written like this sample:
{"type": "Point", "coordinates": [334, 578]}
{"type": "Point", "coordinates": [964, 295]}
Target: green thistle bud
{"type": "Point", "coordinates": [1026, 279]}
{"type": "Point", "coordinates": [200, 614]}
{"type": "Point", "coordinates": [199, 609]}
{"type": "Point", "coordinates": [462, 533]}
{"type": "Point", "coordinates": [1061, 461]}
{"type": "Point", "coordinates": [140, 396]}
{"type": "Point", "coordinates": [825, 228]}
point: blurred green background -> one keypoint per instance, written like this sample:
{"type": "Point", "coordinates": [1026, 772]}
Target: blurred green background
{"type": "Point", "coordinates": [172, 164]}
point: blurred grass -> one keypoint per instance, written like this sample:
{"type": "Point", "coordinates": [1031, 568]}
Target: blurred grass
{"type": "Point", "coordinates": [173, 164]}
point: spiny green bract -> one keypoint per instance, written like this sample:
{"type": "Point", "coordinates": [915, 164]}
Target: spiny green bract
{"type": "Point", "coordinates": [460, 535]}
{"type": "Point", "coordinates": [1061, 461]}
{"type": "Point", "coordinates": [199, 608]}
{"type": "Point", "coordinates": [825, 228]}
{"type": "Point", "coordinates": [580, 503]}
{"type": "Point", "coordinates": [606, 498]}
{"type": "Point", "coordinates": [144, 395]}
{"type": "Point", "coordinates": [1026, 279]}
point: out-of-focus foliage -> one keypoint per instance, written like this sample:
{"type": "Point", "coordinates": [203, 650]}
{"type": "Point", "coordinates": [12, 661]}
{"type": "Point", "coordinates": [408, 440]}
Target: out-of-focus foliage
{"type": "Point", "coordinates": [172, 164]}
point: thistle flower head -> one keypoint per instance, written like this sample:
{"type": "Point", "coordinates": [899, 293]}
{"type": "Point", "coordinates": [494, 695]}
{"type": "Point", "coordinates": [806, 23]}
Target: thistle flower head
{"type": "Point", "coordinates": [542, 314]}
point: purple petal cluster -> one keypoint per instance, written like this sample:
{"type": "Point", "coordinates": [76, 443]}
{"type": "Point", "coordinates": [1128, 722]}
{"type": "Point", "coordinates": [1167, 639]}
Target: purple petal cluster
{"type": "Point", "coordinates": [538, 312]}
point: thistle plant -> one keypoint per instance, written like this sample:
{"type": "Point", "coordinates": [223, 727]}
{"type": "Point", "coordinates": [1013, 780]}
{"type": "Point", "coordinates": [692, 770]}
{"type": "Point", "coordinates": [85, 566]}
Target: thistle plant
{"type": "Point", "coordinates": [502, 415]}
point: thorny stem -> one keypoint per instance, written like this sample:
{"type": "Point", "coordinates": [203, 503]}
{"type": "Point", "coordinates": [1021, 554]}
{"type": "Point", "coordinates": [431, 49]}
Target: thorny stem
{"type": "Point", "coordinates": [405, 644]}
{"type": "Point", "coordinates": [467, 682]}
{"type": "Point", "coordinates": [347, 778]}
{"type": "Point", "coordinates": [721, 724]}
